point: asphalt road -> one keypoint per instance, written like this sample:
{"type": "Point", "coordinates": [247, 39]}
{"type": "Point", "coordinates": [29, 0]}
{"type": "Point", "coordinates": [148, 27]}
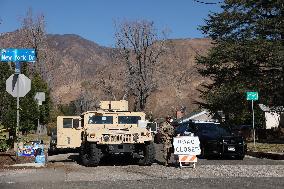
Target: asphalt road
{"type": "Point", "coordinates": [64, 172]}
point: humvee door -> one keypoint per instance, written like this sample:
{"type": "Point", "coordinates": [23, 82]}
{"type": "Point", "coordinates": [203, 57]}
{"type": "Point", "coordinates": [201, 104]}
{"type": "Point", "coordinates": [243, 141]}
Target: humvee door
{"type": "Point", "coordinates": [68, 131]}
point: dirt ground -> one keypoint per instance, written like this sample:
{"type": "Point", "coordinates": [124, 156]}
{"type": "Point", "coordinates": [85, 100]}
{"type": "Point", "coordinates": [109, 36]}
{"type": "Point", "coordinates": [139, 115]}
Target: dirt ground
{"type": "Point", "coordinates": [9, 158]}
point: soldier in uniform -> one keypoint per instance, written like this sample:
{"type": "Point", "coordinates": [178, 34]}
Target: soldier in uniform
{"type": "Point", "coordinates": [167, 133]}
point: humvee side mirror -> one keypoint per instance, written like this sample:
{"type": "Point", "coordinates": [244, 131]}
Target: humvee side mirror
{"type": "Point", "coordinates": [152, 126]}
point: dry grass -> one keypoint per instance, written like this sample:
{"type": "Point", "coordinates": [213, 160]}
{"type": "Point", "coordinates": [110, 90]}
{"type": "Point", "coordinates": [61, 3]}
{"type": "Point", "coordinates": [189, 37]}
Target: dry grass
{"type": "Point", "coordinates": [266, 147]}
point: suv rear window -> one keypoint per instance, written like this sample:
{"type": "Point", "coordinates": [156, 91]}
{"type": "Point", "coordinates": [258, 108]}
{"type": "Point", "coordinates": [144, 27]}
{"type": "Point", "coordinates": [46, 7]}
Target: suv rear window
{"type": "Point", "coordinates": [203, 128]}
{"type": "Point", "coordinates": [128, 119]}
{"type": "Point", "coordinates": [100, 120]}
{"type": "Point", "coordinates": [213, 129]}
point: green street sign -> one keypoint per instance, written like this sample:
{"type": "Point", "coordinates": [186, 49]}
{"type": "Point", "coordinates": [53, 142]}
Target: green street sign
{"type": "Point", "coordinates": [252, 95]}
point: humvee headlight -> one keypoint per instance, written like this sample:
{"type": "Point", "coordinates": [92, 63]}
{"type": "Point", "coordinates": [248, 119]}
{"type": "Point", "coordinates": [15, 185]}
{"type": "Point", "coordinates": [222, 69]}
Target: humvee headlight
{"type": "Point", "coordinates": [106, 138]}
{"type": "Point", "coordinates": [92, 135]}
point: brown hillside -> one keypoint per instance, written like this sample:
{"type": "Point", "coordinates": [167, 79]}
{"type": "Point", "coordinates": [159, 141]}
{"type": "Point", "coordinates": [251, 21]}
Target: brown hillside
{"type": "Point", "coordinates": [78, 62]}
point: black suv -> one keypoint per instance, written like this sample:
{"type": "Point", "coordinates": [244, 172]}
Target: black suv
{"type": "Point", "coordinates": [215, 140]}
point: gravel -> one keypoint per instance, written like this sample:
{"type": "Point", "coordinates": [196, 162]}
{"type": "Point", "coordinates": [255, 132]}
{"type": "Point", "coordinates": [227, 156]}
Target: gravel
{"type": "Point", "coordinates": [75, 172]}
{"type": "Point", "coordinates": [64, 169]}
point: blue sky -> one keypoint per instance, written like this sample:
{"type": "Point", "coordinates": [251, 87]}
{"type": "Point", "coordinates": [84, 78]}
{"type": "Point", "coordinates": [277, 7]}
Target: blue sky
{"type": "Point", "coordinates": [94, 19]}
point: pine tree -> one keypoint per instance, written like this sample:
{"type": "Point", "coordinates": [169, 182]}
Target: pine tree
{"type": "Point", "coordinates": [7, 102]}
{"type": "Point", "coordinates": [248, 55]}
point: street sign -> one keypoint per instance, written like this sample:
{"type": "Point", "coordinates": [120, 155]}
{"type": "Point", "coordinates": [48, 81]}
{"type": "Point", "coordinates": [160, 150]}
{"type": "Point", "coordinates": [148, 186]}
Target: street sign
{"type": "Point", "coordinates": [18, 55]}
{"type": "Point", "coordinates": [186, 145]}
{"type": "Point", "coordinates": [18, 85]}
{"type": "Point", "coordinates": [252, 95]}
{"type": "Point", "coordinates": [24, 85]}
{"type": "Point", "coordinates": [40, 97]}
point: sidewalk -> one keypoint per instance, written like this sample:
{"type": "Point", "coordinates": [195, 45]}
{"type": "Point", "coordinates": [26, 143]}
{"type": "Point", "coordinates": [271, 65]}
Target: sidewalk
{"type": "Point", "coordinates": [28, 165]}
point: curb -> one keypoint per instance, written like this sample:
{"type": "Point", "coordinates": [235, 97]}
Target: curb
{"type": "Point", "coordinates": [267, 155]}
{"type": "Point", "coordinates": [35, 165]}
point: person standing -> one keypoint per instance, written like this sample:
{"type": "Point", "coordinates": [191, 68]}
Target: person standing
{"type": "Point", "coordinates": [167, 133]}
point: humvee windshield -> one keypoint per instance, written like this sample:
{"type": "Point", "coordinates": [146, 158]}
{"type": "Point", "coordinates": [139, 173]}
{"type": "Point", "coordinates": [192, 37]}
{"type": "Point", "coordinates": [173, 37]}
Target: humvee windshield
{"type": "Point", "coordinates": [128, 119]}
{"type": "Point", "coordinates": [100, 119]}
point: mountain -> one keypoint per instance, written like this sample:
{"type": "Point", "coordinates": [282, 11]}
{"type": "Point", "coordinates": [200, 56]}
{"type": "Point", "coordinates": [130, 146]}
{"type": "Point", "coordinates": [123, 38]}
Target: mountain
{"type": "Point", "coordinates": [77, 67]}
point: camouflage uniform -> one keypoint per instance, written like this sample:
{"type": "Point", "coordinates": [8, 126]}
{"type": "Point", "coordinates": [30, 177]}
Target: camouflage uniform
{"type": "Point", "coordinates": [167, 132]}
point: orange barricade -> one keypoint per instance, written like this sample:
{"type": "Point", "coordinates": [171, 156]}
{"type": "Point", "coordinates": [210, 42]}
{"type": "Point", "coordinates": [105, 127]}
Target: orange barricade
{"type": "Point", "coordinates": [187, 160]}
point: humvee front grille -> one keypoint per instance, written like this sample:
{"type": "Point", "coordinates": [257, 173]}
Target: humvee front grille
{"type": "Point", "coordinates": [121, 138]}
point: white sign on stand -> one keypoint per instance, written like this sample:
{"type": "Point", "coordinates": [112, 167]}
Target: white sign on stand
{"type": "Point", "coordinates": [40, 97]}
{"type": "Point", "coordinates": [187, 145]}
{"type": "Point", "coordinates": [185, 149]}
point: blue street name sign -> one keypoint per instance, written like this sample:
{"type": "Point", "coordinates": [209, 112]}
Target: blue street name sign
{"type": "Point", "coordinates": [18, 55]}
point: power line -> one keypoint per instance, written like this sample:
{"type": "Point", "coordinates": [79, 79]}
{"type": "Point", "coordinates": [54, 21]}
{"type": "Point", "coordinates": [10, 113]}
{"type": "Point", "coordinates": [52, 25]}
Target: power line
{"type": "Point", "coordinates": [208, 3]}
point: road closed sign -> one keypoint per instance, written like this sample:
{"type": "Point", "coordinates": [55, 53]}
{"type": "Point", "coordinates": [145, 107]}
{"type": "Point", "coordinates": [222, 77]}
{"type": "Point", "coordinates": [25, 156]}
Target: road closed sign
{"type": "Point", "coordinates": [186, 145]}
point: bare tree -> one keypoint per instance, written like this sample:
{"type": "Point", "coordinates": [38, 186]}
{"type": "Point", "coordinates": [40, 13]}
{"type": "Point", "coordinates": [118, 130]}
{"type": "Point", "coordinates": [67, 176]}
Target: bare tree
{"type": "Point", "coordinates": [141, 49]}
{"type": "Point", "coordinates": [107, 86]}
{"type": "Point", "coordinates": [34, 36]}
{"type": "Point", "coordinates": [87, 99]}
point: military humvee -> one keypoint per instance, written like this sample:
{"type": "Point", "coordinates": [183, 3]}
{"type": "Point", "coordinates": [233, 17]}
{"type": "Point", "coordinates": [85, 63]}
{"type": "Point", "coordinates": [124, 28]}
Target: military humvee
{"type": "Point", "coordinates": [108, 131]}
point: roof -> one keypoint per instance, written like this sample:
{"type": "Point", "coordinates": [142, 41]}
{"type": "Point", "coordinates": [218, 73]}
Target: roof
{"type": "Point", "coordinates": [192, 115]}
{"type": "Point", "coordinates": [271, 109]}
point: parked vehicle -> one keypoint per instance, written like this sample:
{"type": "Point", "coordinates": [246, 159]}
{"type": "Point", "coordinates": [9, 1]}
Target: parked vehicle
{"type": "Point", "coordinates": [246, 131]}
{"type": "Point", "coordinates": [215, 140]}
{"type": "Point", "coordinates": [109, 131]}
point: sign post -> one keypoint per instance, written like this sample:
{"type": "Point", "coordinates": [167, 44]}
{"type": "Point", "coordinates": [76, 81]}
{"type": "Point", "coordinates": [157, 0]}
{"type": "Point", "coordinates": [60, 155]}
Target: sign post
{"type": "Point", "coordinates": [252, 96]}
{"type": "Point", "coordinates": [39, 97]}
{"type": "Point", "coordinates": [18, 85]}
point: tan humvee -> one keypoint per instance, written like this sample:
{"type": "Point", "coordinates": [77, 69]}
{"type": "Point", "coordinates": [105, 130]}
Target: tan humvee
{"type": "Point", "coordinates": [110, 130]}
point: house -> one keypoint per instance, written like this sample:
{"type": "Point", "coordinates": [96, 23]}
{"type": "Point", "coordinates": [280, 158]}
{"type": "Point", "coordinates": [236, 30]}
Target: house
{"type": "Point", "coordinates": [273, 116]}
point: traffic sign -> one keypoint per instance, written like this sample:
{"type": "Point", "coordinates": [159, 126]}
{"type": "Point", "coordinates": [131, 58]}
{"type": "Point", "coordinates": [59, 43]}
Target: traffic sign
{"type": "Point", "coordinates": [40, 97]}
{"type": "Point", "coordinates": [186, 145]}
{"type": "Point", "coordinates": [23, 82]}
{"type": "Point", "coordinates": [252, 95]}
{"type": "Point", "coordinates": [18, 55]}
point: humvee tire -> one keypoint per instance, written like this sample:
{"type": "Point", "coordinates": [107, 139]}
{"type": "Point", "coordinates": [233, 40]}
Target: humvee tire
{"type": "Point", "coordinates": [148, 153]}
{"type": "Point", "coordinates": [90, 154]}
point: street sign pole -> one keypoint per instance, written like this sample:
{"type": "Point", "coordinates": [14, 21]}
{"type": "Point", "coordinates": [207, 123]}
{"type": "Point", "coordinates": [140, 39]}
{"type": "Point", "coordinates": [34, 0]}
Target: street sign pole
{"type": "Point", "coordinates": [17, 67]}
{"type": "Point", "coordinates": [18, 107]}
{"type": "Point", "coordinates": [252, 96]}
{"type": "Point", "coordinates": [253, 123]}
{"type": "Point", "coordinates": [39, 97]}
{"type": "Point", "coordinates": [38, 122]}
